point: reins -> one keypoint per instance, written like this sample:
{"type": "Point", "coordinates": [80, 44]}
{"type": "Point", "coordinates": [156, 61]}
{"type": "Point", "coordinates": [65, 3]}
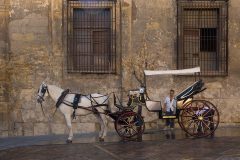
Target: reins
{"type": "Point", "coordinates": [42, 110]}
{"type": "Point", "coordinates": [44, 91]}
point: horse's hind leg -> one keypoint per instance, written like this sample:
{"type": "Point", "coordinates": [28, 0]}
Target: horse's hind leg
{"type": "Point", "coordinates": [102, 125]}
{"type": "Point", "coordinates": [104, 120]}
{"type": "Point", "coordinates": [69, 125]}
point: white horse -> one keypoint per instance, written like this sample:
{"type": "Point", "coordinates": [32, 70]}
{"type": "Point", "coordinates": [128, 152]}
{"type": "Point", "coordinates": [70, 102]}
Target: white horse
{"type": "Point", "coordinates": [87, 104]}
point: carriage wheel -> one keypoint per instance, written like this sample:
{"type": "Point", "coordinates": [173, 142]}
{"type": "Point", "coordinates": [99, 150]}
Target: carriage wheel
{"type": "Point", "coordinates": [199, 118]}
{"type": "Point", "coordinates": [129, 124]}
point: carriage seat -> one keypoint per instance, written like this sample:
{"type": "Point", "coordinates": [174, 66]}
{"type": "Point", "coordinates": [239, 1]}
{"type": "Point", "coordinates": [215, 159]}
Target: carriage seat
{"type": "Point", "coordinates": [195, 88]}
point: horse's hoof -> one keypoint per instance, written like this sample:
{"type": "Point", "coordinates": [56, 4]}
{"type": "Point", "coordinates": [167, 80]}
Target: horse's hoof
{"type": "Point", "coordinates": [101, 139]}
{"type": "Point", "coordinates": [68, 141]}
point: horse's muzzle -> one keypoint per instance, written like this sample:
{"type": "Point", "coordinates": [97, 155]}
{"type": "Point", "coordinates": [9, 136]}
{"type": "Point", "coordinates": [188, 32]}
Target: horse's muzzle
{"type": "Point", "coordinates": [39, 100]}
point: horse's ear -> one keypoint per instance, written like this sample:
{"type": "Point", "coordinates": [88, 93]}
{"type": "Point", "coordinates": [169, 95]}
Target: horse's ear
{"type": "Point", "coordinates": [46, 80]}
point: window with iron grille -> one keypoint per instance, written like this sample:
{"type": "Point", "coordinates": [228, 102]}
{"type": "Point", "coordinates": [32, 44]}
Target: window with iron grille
{"type": "Point", "coordinates": [91, 36]}
{"type": "Point", "coordinates": [203, 36]}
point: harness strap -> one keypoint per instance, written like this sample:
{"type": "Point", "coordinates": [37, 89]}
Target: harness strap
{"type": "Point", "coordinates": [92, 99]}
{"type": "Point", "coordinates": [54, 113]}
{"type": "Point", "coordinates": [76, 100]}
{"type": "Point", "coordinates": [61, 98]}
{"type": "Point", "coordinates": [91, 108]}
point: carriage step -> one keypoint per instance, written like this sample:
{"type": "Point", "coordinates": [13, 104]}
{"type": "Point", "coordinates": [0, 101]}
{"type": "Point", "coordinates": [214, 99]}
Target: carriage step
{"type": "Point", "coordinates": [170, 117]}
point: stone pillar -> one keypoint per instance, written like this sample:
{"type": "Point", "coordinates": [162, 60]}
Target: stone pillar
{"type": "Point", "coordinates": [126, 46]}
{"type": "Point", "coordinates": [4, 111]}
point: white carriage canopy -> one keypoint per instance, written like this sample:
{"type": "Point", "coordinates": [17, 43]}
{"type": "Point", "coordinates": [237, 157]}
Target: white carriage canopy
{"type": "Point", "coordinates": [190, 71]}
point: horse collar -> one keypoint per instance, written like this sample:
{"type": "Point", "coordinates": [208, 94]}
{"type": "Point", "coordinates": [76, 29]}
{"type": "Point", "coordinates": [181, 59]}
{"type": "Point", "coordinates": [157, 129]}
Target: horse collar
{"type": "Point", "coordinates": [61, 98]}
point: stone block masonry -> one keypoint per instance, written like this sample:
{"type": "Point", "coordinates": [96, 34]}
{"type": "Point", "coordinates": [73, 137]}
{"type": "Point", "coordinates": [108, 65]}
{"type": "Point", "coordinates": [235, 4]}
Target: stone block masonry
{"type": "Point", "coordinates": [33, 36]}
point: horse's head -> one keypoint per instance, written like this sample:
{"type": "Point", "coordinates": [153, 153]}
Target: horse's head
{"type": "Point", "coordinates": [41, 92]}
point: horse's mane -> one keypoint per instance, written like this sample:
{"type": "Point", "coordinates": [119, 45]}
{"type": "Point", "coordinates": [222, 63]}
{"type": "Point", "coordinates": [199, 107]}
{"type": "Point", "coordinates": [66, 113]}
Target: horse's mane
{"type": "Point", "coordinates": [55, 91]}
{"type": "Point", "coordinates": [56, 88]}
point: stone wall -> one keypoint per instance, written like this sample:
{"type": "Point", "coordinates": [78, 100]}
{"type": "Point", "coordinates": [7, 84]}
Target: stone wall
{"type": "Point", "coordinates": [33, 49]}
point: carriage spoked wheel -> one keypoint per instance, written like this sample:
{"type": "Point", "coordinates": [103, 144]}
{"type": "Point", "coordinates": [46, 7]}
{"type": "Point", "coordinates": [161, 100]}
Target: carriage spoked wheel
{"type": "Point", "coordinates": [199, 118]}
{"type": "Point", "coordinates": [129, 124]}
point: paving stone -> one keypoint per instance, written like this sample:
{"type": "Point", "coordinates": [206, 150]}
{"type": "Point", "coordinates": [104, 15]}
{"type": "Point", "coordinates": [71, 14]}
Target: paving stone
{"type": "Point", "coordinates": [221, 147]}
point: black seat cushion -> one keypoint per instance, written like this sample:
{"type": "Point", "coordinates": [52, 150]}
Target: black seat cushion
{"type": "Point", "coordinates": [191, 90]}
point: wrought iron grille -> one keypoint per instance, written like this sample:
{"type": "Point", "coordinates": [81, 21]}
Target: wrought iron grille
{"type": "Point", "coordinates": [91, 36]}
{"type": "Point", "coordinates": [203, 36]}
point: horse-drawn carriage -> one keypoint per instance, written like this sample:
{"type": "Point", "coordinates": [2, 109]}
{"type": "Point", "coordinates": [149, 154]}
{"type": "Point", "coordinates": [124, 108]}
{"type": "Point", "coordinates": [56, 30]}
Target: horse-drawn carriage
{"type": "Point", "coordinates": [198, 118]}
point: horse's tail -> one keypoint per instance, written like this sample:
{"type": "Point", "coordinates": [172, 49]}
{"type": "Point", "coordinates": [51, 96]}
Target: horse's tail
{"type": "Point", "coordinates": [108, 106]}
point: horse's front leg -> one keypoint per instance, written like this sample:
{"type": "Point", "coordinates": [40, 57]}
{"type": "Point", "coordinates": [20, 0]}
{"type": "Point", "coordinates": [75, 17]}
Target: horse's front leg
{"type": "Point", "coordinates": [69, 125]}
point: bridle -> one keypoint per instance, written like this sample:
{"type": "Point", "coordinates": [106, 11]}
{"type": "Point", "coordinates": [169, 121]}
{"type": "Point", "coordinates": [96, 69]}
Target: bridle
{"type": "Point", "coordinates": [44, 89]}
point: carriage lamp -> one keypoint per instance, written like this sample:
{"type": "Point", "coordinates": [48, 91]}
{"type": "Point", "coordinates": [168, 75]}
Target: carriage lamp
{"type": "Point", "coordinates": [141, 90]}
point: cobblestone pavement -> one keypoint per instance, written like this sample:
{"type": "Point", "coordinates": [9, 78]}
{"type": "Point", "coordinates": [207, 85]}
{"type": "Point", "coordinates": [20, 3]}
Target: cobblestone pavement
{"type": "Point", "coordinates": [155, 145]}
